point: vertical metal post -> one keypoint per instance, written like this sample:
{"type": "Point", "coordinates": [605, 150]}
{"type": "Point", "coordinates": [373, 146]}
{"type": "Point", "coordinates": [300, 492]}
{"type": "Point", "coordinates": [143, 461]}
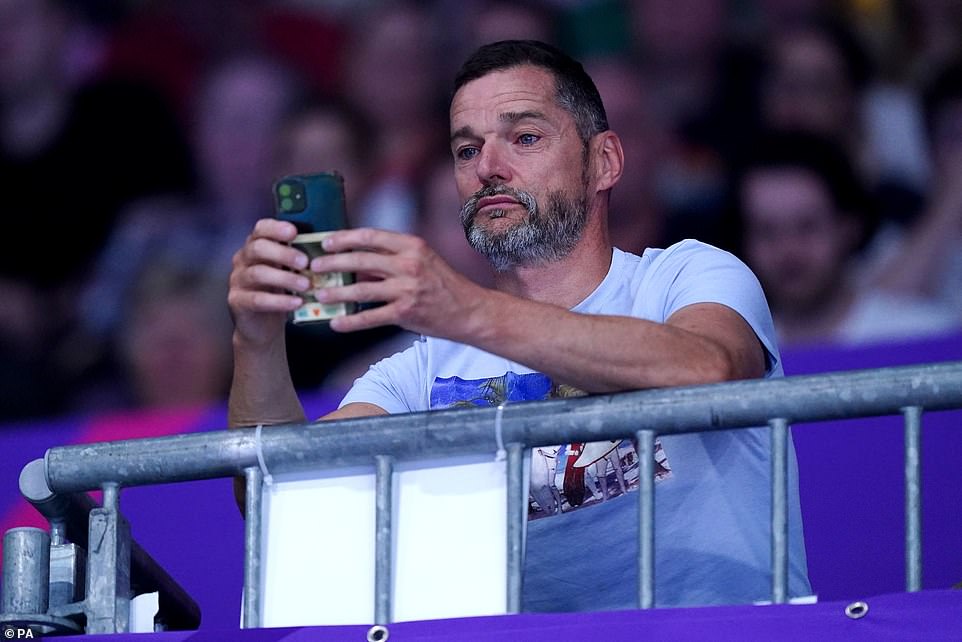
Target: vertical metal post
{"type": "Point", "coordinates": [26, 560]}
{"type": "Point", "coordinates": [516, 516]}
{"type": "Point", "coordinates": [107, 604]}
{"type": "Point", "coordinates": [383, 539]}
{"type": "Point", "coordinates": [913, 498]}
{"type": "Point", "coordinates": [646, 518]}
{"type": "Point", "coordinates": [252, 548]}
{"type": "Point", "coordinates": [779, 454]}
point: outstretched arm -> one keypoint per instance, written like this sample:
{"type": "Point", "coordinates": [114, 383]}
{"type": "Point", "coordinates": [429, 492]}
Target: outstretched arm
{"type": "Point", "coordinates": [700, 343]}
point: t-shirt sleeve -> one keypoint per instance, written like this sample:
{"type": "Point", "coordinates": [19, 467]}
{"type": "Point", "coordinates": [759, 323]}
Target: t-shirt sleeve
{"type": "Point", "coordinates": [393, 383]}
{"type": "Point", "coordinates": [699, 273]}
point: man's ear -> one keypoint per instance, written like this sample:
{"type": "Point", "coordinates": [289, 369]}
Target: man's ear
{"type": "Point", "coordinates": [609, 159]}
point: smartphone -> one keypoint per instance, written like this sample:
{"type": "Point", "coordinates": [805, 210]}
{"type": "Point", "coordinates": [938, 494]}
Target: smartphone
{"type": "Point", "coordinates": [314, 203]}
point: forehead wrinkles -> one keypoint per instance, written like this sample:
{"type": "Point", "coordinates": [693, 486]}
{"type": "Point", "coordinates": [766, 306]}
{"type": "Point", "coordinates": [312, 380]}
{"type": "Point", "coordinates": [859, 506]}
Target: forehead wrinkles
{"type": "Point", "coordinates": [514, 90]}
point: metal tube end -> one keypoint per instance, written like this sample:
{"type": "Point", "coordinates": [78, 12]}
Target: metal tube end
{"type": "Point", "coordinates": [33, 482]}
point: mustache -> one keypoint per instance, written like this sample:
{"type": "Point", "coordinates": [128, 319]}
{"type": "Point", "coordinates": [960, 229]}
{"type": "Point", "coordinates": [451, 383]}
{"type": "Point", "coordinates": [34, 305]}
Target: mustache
{"type": "Point", "coordinates": [470, 207]}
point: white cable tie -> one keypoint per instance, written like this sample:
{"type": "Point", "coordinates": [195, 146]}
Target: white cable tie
{"type": "Point", "coordinates": [258, 446]}
{"type": "Point", "coordinates": [498, 436]}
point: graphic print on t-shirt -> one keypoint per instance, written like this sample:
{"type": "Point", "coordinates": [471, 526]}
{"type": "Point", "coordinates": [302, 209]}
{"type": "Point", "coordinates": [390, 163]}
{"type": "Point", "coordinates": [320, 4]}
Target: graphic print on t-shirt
{"type": "Point", "coordinates": [565, 477]}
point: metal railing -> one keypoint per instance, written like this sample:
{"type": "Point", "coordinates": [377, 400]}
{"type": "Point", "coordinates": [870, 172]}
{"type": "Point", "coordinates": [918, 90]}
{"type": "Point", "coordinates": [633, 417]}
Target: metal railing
{"type": "Point", "coordinates": [382, 441]}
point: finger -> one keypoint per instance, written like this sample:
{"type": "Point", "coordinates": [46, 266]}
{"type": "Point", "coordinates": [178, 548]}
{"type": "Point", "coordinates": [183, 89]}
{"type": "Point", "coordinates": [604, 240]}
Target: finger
{"type": "Point", "coordinates": [262, 276]}
{"type": "Point", "coordinates": [263, 250]}
{"type": "Point", "coordinates": [372, 318]}
{"type": "Point", "coordinates": [363, 292]}
{"type": "Point", "coordinates": [367, 238]}
{"type": "Point", "coordinates": [260, 301]}
{"type": "Point", "coordinates": [381, 265]}
{"type": "Point", "coordinates": [277, 230]}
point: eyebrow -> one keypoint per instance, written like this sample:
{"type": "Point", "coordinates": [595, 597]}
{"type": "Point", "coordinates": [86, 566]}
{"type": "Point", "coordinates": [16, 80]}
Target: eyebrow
{"type": "Point", "coordinates": [506, 117]}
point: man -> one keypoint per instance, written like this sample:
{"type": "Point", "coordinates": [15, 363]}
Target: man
{"type": "Point", "coordinates": [805, 214]}
{"type": "Point", "coordinates": [534, 164]}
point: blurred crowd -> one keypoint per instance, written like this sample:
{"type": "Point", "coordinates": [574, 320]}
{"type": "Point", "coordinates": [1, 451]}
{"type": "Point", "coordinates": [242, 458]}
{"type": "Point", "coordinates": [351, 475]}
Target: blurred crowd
{"type": "Point", "coordinates": [819, 140]}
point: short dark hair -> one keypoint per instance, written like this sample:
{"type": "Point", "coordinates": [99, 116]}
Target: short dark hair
{"type": "Point", "coordinates": [822, 157]}
{"type": "Point", "coordinates": [576, 92]}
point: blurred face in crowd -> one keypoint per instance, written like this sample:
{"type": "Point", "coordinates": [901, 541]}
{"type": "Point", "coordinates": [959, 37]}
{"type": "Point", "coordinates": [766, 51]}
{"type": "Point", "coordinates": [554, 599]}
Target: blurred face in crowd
{"type": "Point", "coordinates": [807, 88]}
{"type": "Point", "coordinates": [678, 30]}
{"type": "Point", "coordinates": [633, 223]}
{"type": "Point", "coordinates": [320, 140]}
{"type": "Point", "coordinates": [520, 166]}
{"type": "Point", "coordinates": [391, 67]}
{"type": "Point", "coordinates": [796, 241]}
{"type": "Point", "coordinates": [177, 351]}
{"type": "Point", "coordinates": [239, 118]}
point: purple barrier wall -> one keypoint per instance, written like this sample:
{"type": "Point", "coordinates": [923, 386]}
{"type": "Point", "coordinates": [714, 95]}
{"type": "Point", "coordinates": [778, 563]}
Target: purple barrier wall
{"type": "Point", "coordinates": [850, 474]}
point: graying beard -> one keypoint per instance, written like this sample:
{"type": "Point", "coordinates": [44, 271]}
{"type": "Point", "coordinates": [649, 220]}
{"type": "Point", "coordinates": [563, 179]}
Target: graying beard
{"type": "Point", "coordinates": [538, 240]}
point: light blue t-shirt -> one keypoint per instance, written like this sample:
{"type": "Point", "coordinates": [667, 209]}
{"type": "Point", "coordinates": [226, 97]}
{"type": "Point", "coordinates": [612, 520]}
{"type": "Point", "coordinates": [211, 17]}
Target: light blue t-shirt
{"type": "Point", "coordinates": [712, 497]}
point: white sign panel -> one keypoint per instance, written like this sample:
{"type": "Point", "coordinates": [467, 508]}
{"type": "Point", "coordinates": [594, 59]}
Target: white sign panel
{"type": "Point", "coordinates": [450, 549]}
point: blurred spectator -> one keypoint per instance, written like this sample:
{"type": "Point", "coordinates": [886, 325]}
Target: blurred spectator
{"type": "Point", "coordinates": [175, 42]}
{"type": "Point", "coordinates": [324, 134]}
{"type": "Point", "coordinates": [803, 215]}
{"type": "Point", "coordinates": [927, 259]}
{"type": "Point", "coordinates": [70, 157]}
{"type": "Point", "coordinates": [393, 76]}
{"type": "Point", "coordinates": [821, 80]}
{"type": "Point", "coordinates": [235, 129]}
{"type": "Point", "coordinates": [635, 218]}
{"type": "Point", "coordinates": [172, 347]}
{"type": "Point", "coordinates": [701, 81]}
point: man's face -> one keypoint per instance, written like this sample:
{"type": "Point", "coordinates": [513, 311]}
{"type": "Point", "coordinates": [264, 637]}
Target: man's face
{"type": "Point", "coordinates": [796, 241]}
{"type": "Point", "coordinates": [520, 167]}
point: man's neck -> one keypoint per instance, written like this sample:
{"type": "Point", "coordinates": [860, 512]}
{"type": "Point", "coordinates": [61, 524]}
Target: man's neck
{"type": "Point", "coordinates": [565, 282]}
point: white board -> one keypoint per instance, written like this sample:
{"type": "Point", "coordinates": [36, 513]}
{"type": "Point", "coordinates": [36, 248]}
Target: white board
{"type": "Point", "coordinates": [450, 547]}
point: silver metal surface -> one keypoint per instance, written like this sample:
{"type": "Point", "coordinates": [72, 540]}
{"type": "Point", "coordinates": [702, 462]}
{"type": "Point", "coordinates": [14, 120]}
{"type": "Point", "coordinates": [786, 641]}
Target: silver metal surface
{"type": "Point", "coordinates": [913, 498]}
{"type": "Point", "coordinates": [252, 548]}
{"type": "Point", "coordinates": [856, 610]}
{"type": "Point", "coordinates": [26, 564]}
{"type": "Point", "coordinates": [68, 565]}
{"type": "Point", "coordinates": [71, 514]}
{"type": "Point", "coordinates": [516, 509]}
{"type": "Point", "coordinates": [646, 519]}
{"type": "Point", "coordinates": [779, 442]}
{"type": "Point", "coordinates": [383, 539]}
{"type": "Point", "coordinates": [107, 604]}
{"type": "Point", "coordinates": [412, 436]}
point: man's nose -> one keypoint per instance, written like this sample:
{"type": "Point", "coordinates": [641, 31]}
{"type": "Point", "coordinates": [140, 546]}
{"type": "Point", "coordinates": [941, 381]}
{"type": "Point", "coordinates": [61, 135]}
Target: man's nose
{"type": "Point", "coordinates": [493, 168]}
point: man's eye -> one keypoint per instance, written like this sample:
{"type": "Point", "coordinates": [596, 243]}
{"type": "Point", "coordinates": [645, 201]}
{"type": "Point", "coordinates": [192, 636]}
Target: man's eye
{"type": "Point", "coordinates": [528, 139]}
{"type": "Point", "coordinates": [467, 153]}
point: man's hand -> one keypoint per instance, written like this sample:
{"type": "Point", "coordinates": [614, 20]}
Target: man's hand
{"type": "Point", "coordinates": [421, 292]}
{"type": "Point", "coordinates": [261, 280]}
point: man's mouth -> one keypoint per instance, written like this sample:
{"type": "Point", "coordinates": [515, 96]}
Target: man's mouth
{"type": "Point", "coordinates": [497, 205]}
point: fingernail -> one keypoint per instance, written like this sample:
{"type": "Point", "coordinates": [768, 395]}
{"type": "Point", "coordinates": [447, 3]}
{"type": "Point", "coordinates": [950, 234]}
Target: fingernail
{"type": "Point", "coordinates": [326, 243]}
{"type": "Point", "coordinates": [300, 261]}
{"type": "Point", "coordinates": [303, 284]}
{"type": "Point", "coordinates": [320, 294]}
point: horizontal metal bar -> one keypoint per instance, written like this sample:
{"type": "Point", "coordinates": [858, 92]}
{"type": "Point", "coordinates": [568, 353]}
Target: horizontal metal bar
{"type": "Point", "coordinates": [412, 436]}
